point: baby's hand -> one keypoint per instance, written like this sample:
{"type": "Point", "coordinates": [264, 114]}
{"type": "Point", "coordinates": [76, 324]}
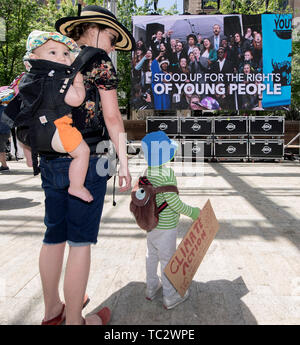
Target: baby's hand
{"type": "Point", "coordinates": [78, 78]}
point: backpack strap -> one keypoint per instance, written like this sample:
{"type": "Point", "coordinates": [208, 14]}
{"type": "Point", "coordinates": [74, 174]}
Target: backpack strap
{"type": "Point", "coordinates": [143, 180]}
{"type": "Point", "coordinates": [167, 189]}
{"type": "Point", "coordinates": [77, 66]}
{"type": "Point", "coordinates": [162, 207]}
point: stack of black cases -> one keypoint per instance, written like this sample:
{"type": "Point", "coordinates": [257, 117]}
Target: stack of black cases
{"type": "Point", "coordinates": [230, 137]}
{"type": "Point", "coordinates": [266, 137]}
{"type": "Point", "coordinates": [224, 137]}
{"type": "Point", "coordinates": [196, 137]}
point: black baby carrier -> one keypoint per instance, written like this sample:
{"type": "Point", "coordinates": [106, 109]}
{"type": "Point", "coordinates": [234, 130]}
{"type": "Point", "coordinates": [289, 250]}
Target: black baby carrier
{"type": "Point", "coordinates": [41, 102]}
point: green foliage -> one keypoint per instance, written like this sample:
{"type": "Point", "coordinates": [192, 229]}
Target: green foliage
{"type": "Point", "coordinates": [17, 26]}
{"type": "Point", "coordinates": [253, 6]}
{"type": "Point", "coordinates": [295, 111]}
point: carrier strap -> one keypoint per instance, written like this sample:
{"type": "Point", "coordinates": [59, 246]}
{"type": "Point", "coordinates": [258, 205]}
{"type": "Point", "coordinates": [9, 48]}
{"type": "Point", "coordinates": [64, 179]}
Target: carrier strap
{"type": "Point", "coordinates": [83, 57]}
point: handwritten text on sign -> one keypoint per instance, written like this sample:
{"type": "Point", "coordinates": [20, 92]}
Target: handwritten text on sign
{"type": "Point", "coordinates": [192, 249]}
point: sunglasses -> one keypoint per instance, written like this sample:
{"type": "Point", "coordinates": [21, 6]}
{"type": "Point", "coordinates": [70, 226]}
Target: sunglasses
{"type": "Point", "coordinates": [113, 38]}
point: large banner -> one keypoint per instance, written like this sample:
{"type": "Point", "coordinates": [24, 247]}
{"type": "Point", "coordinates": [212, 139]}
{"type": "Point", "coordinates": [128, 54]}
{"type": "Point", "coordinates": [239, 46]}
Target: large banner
{"type": "Point", "coordinates": [214, 62]}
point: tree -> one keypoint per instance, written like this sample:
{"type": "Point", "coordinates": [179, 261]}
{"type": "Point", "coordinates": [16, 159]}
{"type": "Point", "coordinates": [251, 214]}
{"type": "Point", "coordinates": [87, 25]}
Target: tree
{"type": "Point", "coordinates": [15, 14]}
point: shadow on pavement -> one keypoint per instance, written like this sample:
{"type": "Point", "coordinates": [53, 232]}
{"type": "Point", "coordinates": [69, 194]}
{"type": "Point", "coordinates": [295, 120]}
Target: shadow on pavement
{"type": "Point", "coordinates": [216, 302]}
{"type": "Point", "coordinates": [16, 203]}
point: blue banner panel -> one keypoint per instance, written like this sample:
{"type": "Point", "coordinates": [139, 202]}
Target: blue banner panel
{"type": "Point", "coordinates": [277, 59]}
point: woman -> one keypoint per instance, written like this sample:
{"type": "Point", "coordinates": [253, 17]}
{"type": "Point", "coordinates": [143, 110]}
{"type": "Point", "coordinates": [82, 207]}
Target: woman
{"type": "Point", "coordinates": [183, 67]}
{"type": "Point", "coordinates": [239, 48]}
{"type": "Point", "coordinates": [69, 219]}
{"type": "Point", "coordinates": [159, 69]}
{"type": "Point", "coordinates": [145, 66]}
{"type": "Point", "coordinates": [257, 51]}
{"type": "Point", "coordinates": [248, 35]}
{"type": "Point", "coordinates": [208, 52]}
{"type": "Point", "coordinates": [136, 73]}
{"type": "Point", "coordinates": [248, 101]}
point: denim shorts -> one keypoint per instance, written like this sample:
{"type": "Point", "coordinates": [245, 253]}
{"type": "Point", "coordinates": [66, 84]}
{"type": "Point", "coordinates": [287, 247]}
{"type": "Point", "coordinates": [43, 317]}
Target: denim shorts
{"type": "Point", "coordinates": [68, 218]}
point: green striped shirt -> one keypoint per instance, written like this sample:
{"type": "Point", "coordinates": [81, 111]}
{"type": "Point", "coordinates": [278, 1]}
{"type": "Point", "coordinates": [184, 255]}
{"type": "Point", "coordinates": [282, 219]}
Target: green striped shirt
{"type": "Point", "coordinates": [169, 217]}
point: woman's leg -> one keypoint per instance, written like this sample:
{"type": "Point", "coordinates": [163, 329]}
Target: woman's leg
{"type": "Point", "coordinates": [76, 278]}
{"type": "Point", "coordinates": [27, 154]}
{"type": "Point", "coordinates": [50, 264]}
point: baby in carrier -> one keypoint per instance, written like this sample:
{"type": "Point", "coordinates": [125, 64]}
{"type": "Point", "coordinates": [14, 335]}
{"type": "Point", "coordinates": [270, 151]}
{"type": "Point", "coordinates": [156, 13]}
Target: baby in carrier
{"type": "Point", "coordinates": [47, 53]}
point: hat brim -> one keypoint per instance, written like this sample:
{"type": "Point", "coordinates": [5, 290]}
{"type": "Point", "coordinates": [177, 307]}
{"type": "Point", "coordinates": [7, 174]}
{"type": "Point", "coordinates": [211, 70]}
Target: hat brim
{"type": "Point", "coordinates": [159, 161]}
{"type": "Point", "coordinates": [125, 42]}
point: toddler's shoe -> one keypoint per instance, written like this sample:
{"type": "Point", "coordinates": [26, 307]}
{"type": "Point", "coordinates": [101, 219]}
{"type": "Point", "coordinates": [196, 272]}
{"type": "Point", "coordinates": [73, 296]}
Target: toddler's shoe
{"type": "Point", "coordinates": [173, 301]}
{"type": "Point", "coordinates": [151, 293]}
{"type": "Point", "coordinates": [2, 168]}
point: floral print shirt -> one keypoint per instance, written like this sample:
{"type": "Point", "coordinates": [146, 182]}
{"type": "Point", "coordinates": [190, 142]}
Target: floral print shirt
{"type": "Point", "coordinates": [99, 73]}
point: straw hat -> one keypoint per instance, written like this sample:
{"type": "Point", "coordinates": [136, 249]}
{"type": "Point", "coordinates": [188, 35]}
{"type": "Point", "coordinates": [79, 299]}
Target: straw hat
{"type": "Point", "coordinates": [99, 15]}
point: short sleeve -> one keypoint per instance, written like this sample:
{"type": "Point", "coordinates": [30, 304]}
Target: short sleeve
{"type": "Point", "coordinates": [102, 73]}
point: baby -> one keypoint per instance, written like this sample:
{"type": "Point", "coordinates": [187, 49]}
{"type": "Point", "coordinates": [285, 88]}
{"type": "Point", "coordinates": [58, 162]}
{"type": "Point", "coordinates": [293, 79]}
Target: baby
{"type": "Point", "coordinates": [54, 47]}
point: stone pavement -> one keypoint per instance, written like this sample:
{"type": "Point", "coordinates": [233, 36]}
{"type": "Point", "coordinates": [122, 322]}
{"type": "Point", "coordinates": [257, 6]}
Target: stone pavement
{"type": "Point", "coordinates": [250, 274]}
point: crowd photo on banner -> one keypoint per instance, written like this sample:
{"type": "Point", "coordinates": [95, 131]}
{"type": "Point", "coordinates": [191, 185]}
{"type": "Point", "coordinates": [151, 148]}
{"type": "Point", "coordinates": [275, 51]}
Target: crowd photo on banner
{"type": "Point", "coordinates": [195, 62]}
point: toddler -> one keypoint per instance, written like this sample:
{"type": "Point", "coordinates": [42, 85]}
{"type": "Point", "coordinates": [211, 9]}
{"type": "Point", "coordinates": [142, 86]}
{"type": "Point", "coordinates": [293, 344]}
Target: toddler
{"type": "Point", "coordinates": [161, 241]}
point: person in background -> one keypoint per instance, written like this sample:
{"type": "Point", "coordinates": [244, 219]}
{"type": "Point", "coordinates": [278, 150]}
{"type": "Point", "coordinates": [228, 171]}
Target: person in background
{"type": "Point", "coordinates": [4, 137]}
{"type": "Point", "coordinates": [191, 43]}
{"type": "Point", "coordinates": [257, 51]}
{"type": "Point", "coordinates": [159, 66]}
{"type": "Point", "coordinates": [217, 37]}
{"type": "Point", "coordinates": [144, 65]}
{"type": "Point", "coordinates": [209, 53]}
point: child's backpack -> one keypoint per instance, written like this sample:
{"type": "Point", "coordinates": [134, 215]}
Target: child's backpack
{"type": "Point", "coordinates": [143, 203]}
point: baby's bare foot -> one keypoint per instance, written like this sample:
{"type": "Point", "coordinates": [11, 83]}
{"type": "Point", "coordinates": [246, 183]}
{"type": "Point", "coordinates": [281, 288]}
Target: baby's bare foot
{"type": "Point", "coordinates": [81, 193]}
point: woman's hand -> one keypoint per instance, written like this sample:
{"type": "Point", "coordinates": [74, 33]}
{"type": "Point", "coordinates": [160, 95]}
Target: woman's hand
{"type": "Point", "coordinates": [124, 176]}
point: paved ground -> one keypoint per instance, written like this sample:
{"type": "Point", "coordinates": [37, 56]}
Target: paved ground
{"type": "Point", "coordinates": [250, 275]}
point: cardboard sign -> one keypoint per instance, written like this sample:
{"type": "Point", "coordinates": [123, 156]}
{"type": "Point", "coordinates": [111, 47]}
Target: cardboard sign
{"type": "Point", "coordinates": [192, 249]}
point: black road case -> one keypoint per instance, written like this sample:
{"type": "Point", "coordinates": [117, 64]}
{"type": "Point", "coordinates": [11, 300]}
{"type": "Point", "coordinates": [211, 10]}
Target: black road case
{"type": "Point", "coordinates": [266, 125]}
{"type": "Point", "coordinates": [234, 125]}
{"type": "Point", "coordinates": [196, 148]}
{"type": "Point", "coordinates": [237, 148]}
{"type": "Point", "coordinates": [190, 126]}
{"type": "Point", "coordinates": [266, 148]}
{"type": "Point", "coordinates": [167, 125]}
